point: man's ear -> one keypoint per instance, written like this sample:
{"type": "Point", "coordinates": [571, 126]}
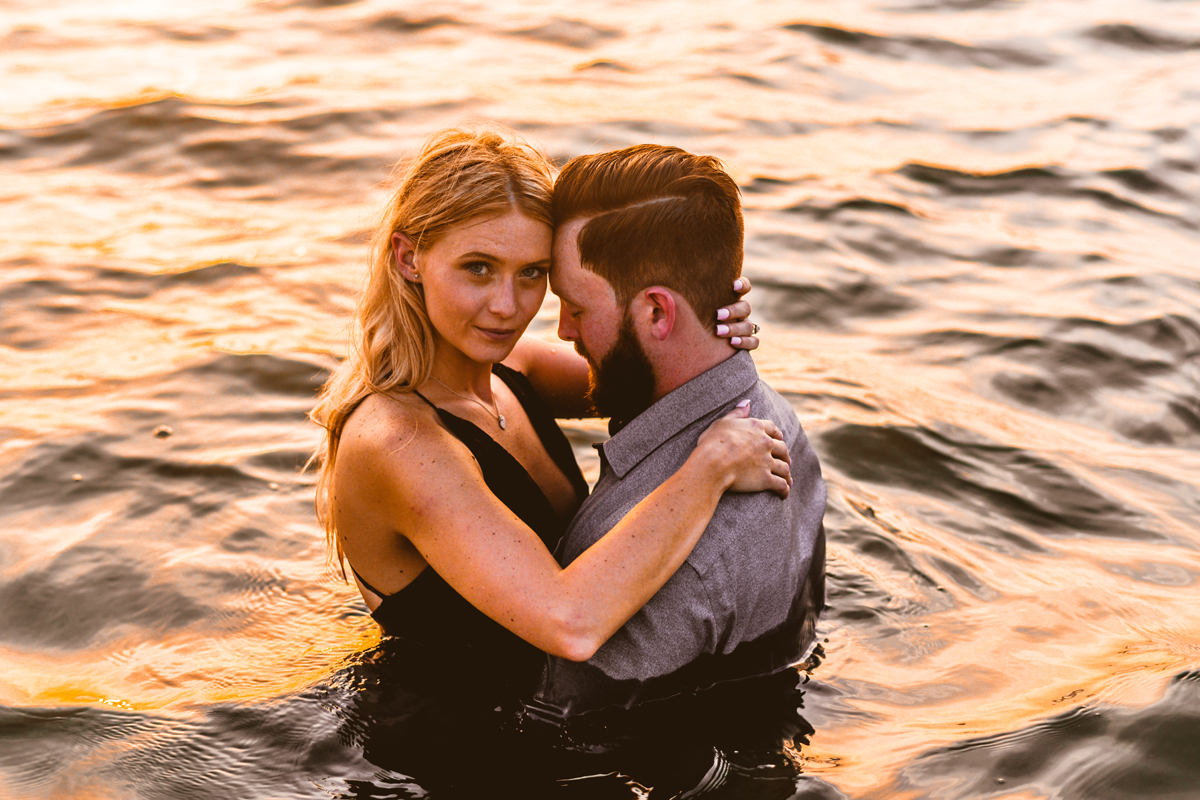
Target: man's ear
{"type": "Point", "coordinates": [656, 309]}
{"type": "Point", "coordinates": [406, 256]}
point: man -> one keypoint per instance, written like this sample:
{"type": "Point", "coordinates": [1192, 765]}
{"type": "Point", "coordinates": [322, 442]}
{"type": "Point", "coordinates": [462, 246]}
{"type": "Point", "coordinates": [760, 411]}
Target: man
{"type": "Point", "coordinates": [648, 242]}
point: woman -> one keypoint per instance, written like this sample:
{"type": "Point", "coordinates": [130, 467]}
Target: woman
{"type": "Point", "coordinates": [444, 480]}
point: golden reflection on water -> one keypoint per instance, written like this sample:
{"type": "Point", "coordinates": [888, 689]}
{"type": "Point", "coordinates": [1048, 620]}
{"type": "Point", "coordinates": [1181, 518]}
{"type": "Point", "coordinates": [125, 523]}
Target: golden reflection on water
{"type": "Point", "coordinates": [280, 656]}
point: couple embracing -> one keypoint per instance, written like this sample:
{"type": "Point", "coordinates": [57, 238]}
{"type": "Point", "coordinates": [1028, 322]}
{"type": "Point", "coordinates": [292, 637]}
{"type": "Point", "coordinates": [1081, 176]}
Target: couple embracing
{"type": "Point", "coordinates": [447, 487]}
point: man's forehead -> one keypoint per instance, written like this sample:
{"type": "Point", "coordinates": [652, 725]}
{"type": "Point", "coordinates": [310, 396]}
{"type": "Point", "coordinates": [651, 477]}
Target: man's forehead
{"type": "Point", "coordinates": [578, 285]}
{"type": "Point", "coordinates": [568, 232]}
{"type": "Point", "coordinates": [564, 264]}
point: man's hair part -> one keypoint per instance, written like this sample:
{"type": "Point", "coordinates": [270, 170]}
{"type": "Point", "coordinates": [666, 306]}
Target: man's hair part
{"type": "Point", "coordinates": [656, 216]}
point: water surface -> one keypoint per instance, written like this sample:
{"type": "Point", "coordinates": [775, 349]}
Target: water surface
{"type": "Point", "coordinates": [973, 229]}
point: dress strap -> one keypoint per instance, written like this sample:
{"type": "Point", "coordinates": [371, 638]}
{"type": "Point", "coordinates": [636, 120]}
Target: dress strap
{"type": "Point", "coordinates": [426, 399]}
{"type": "Point", "coordinates": [366, 585]}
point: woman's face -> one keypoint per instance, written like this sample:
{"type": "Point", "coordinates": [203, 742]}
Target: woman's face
{"type": "Point", "coordinates": [484, 281]}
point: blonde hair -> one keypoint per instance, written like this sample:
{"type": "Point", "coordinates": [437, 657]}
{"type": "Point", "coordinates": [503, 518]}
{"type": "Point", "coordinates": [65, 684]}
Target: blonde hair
{"type": "Point", "coordinates": [458, 175]}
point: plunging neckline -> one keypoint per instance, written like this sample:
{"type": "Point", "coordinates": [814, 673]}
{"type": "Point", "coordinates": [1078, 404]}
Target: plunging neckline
{"type": "Point", "coordinates": [505, 374]}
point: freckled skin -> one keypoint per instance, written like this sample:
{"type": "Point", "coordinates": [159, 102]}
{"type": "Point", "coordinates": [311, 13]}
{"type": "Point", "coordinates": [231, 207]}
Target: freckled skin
{"type": "Point", "coordinates": [409, 495]}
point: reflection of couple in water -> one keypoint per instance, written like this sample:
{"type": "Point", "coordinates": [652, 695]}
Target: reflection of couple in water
{"type": "Point", "coordinates": [513, 600]}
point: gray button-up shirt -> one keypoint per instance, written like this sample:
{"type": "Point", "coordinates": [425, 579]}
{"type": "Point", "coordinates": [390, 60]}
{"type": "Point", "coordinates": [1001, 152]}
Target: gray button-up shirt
{"type": "Point", "coordinates": [746, 600]}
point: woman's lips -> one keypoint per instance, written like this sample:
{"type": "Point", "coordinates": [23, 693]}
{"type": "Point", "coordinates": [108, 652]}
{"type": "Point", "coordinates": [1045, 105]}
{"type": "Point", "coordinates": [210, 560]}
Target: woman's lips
{"type": "Point", "coordinates": [497, 334]}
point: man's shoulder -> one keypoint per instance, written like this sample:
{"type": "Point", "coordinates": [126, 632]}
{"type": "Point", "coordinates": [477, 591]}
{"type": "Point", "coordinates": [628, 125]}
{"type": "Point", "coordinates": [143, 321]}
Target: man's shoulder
{"type": "Point", "coordinates": [619, 490]}
{"type": "Point", "coordinates": [767, 403]}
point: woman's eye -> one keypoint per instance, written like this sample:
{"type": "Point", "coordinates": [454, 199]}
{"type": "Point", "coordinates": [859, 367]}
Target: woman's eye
{"type": "Point", "coordinates": [535, 273]}
{"type": "Point", "coordinates": [476, 267]}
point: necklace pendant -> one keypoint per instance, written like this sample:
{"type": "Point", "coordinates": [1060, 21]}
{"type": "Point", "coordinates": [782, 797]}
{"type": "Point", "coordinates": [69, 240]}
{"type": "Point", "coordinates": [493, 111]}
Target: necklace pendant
{"type": "Point", "coordinates": [503, 423]}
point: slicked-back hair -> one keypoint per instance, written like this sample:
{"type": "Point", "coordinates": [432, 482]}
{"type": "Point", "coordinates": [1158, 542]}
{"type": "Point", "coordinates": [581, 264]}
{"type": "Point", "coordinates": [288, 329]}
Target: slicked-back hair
{"type": "Point", "coordinates": [656, 216]}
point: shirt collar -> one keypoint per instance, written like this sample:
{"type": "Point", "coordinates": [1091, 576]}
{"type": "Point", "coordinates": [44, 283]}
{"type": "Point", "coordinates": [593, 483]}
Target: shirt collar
{"type": "Point", "coordinates": [697, 398]}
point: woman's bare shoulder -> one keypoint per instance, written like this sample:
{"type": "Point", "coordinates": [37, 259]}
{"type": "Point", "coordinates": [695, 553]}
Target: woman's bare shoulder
{"type": "Point", "coordinates": [387, 435]}
{"type": "Point", "coordinates": [398, 465]}
{"type": "Point", "coordinates": [380, 421]}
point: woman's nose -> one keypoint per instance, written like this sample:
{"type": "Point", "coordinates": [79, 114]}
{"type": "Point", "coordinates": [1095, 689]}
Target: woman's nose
{"type": "Point", "coordinates": [503, 300]}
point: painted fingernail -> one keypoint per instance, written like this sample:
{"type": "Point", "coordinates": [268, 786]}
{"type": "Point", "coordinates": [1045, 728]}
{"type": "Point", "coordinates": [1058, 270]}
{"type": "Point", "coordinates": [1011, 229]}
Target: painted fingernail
{"type": "Point", "coordinates": [722, 313]}
{"type": "Point", "coordinates": [743, 403]}
{"type": "Point", "coordinates": [737, 285]}
{"type": "Point", "coordinates": [722, 330]}
{"type": "Point", "coordinates": [736, 340]}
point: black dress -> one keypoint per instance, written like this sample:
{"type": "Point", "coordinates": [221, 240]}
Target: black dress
{"type": "Point", "coordinates": [431, 615]}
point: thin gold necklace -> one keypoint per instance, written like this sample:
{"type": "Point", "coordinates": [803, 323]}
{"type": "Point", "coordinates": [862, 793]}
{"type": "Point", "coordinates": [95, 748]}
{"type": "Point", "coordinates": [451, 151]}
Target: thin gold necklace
{"type": "Point", "coordinates": [494, 411]}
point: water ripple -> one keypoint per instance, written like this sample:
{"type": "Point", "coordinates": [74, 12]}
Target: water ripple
{"type": "Point", "coordinates": [991, 480]}
{"type": "Point", "coordinates": [1136, 37]}
{"type": "Point", "coordinates": [910, 47]}
{"type": "Point", "coordinates": [1091, 752]}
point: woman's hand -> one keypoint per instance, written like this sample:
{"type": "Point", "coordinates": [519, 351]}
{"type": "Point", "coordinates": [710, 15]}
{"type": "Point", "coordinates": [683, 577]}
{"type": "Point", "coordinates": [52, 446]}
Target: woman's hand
{"type": "Point", "coordinates": [752, 450]}
{"type": "Point", "coordinates": [560, 375]}
{"type": "Point", "coordinates": [733, 321]}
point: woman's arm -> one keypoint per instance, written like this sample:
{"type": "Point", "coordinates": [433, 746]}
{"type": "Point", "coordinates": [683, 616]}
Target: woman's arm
{"type": "Point", "coordinates": [430, 489]}
{"type": "Point", "coordinates": [557, 372]}
{"type": "Point", "coordinates": [560, 375]}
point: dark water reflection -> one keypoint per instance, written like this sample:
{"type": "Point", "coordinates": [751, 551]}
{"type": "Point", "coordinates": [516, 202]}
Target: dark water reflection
{"type": "Point", "coordinates": [972, 225]}
{"type": "Point", "coordinates": [1087, 752]}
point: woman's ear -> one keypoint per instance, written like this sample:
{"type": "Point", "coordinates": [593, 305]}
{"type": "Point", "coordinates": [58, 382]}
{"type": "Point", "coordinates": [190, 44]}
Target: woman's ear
{"type": "Point", "coordinates": [406, 256]}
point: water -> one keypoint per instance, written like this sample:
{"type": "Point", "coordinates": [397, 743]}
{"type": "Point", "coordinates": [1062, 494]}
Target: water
{"type": "Point", "coordinates": [972, 227]}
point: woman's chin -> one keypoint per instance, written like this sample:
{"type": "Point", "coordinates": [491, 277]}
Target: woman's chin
{"type": "Point", "coordinates": [485, 345]}
{"type": "Point", "coordinates": [489, 349]}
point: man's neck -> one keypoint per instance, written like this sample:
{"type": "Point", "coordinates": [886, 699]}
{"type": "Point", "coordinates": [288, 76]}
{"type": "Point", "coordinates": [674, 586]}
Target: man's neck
{"type": "Point", "coordinates": [683, 358]}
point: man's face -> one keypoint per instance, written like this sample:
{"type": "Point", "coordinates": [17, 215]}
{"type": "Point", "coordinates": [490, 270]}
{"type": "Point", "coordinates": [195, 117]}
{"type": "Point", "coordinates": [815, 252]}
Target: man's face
{"type": "Point", "coordinates": [621, 376]}
{"type": "Point", "coordinates": [588, 313]}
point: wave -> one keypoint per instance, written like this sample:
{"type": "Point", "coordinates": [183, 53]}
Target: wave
{"type": "Point", "coordinates": [173, 137]}
{"type": "Point", "coordinates": [64, 474]}
{"type": "Point", "coordinates": [193, 33]}
{"type": "Point", "coordinates": [1084, 366]}
{"type": "Point", "coordinates": [821, 211]}
{"type": "Point", "coordinates": [259, 374]}
{"type": "Point", "coordinates": [1052, 181]}
{"type": "Point", "coordinates": [398, 23]}
{"type": "Point", "coordinates": [803, 303]}
{"type": "Point", "coordinates": [319, 4]}
{"type": "Point", "coordinates": [574, 33]}
{"type": "Point", "coordinates": [286, 748]}
{"type": "Point", "coordinates": [89, 590]}
{"type": "Point", "coordinates": [37, 313]}
{"type": "Point", "coordinates": [931, 48]}
{"type": "Point", "coordinates": [1089, 751]}
{"type": "Point", "coordinates": [991, 481]}
{"type": "Point", "coordinates": [1135, 37]}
